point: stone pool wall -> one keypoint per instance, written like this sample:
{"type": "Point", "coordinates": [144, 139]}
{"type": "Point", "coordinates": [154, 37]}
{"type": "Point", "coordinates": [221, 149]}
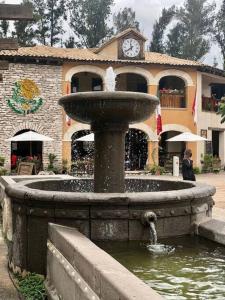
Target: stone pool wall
{"type": "Point", "coordinates": [98, 216]}
{"type": "Point", "coordinates": [78, 269]}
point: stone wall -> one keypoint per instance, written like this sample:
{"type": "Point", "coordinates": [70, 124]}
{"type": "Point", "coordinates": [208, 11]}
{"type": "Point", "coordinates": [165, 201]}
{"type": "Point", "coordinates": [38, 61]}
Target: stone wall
{"type": "Point", "coordinates": [47, 120]}
{"type": "Point", "coordinates": [78, 269]}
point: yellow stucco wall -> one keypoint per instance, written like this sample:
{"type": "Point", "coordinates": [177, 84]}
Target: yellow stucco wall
{"type": "Point", "coordinates": [178, 116]}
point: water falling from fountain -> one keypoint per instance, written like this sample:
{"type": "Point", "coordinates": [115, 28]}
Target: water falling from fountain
{"type": "Point", "coordinates": [110, 80]}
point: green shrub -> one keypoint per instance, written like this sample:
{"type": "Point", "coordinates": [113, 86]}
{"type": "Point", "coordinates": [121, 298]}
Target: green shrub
{"type": "Point", "coordinates": [32, 286]}
{"type": "Point", "coordinates": [157, 170]}
{"type": "Point", "coordinates": [2, 161]}
{"type": "Point", "coordinates": [196, 170]}
{"type": "Point", "coordinates": [3, 171]}
{"type": "Point", "coordinates": [51, 167]}
{"type": "Point", "coordinates": [207, 163]}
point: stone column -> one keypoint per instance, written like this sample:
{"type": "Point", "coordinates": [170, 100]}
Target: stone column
{"type": "Point", "coordinates": [66, 154]}
{"type": "Point", "coordinates": [109, 169]}
{"type": "Point", "coordinates": [153, 153]}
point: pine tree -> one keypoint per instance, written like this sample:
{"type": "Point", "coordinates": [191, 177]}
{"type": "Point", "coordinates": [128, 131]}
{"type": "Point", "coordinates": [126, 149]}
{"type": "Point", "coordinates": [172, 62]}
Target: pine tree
{"type": "Point", "coordinates": [219, 30]}
{"type": "Point", "coordinates": [55, 14]}
{"type": "Point", "coordinates": [88, 20]}
{"type": "Point", "coordinates": [195, 19]}
{"type": "Point", "coordinates": [157, 43]}
{"type": "Point", "coordinates": [175, 41]}
{"type": "Point", "coordinates": [125, 19]}
{"type": "Point", "coordinates": [4, 28]}
{"type": "Point", "coordinates": [41, 28]}
{"type": "Point", "coordinates": [24, 31]}
{"type": "Point", "coordinates": [70, 43]}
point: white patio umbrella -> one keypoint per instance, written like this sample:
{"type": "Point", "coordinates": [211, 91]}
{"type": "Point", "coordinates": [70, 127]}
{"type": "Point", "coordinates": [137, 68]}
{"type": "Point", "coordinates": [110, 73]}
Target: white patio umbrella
{"type": "Point", "coordinates": [187, 137]}
{"type": "Point", "coordinates": [87, 138]}
{"type": "Point", "coordinates": [30, 136]}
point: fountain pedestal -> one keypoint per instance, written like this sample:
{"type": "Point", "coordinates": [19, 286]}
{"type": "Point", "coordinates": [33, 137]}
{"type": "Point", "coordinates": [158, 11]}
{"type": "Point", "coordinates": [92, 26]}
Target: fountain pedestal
{"type": "Point", "coordinates": [109, 114]}
{"type": "Point", "coordinates": [109, 157]}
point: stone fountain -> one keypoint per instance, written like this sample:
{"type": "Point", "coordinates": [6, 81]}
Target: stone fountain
{"type": "Point", "coordinates": [109, 114]}
{"type": "Point", "coordinates": [109, 207]}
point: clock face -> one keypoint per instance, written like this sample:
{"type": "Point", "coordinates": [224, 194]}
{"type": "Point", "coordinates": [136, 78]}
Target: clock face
{"type": "Point", "coordinates": [131, 47]}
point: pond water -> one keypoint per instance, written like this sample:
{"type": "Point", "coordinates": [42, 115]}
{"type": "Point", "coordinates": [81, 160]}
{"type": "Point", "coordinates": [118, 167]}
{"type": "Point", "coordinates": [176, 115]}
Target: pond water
{"type": "Point", "coordinates": [194, 270]}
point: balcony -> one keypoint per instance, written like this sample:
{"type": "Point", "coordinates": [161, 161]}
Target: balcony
{"type": "Point", "coordinates": [170, 100]}
{"type": "Point", "coordinates": [209, 104]}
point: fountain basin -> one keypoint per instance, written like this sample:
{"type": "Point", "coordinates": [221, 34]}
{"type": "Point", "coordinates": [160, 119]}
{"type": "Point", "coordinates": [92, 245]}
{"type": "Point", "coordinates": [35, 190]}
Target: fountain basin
{"type": "Point", "coordinates": [100, 216]}
{"type": "Point", "coordinates": [109, 107]}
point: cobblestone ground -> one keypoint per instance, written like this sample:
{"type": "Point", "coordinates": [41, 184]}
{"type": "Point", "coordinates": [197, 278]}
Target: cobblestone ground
{"type": "Point", "coordinates": [7, 289]}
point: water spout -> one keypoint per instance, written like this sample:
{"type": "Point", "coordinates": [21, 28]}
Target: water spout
{"type": "Point", "coordinates": [110, 80]}
{"type": "Point", "coordinates": [149, 218]}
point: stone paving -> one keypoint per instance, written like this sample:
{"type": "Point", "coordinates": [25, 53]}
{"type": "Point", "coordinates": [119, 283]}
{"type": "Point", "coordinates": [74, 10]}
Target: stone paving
{"type": "Point", "coordinates": [7, 289]}
{"type": "Point", "coordinates": [218, 180]}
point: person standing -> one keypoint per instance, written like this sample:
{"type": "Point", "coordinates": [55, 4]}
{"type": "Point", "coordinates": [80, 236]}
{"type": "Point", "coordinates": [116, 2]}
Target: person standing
{"type": "Point", "coordinates": [187, 166]}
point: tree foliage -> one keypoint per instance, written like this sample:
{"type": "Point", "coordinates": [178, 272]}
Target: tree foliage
{"type": "Point", "coordinates": [125, 19]}
{"type": "Point", "coordinates": [55, 14]}
{"type": "Point", "coordinates": [24, 31]}
{"type": "Point", "coordinates": [88, 20]}
{"type": "Point", "coordinates": [219, 30]}
{"type": "Point", "coordinates": [4, 28]}
{"type": "Point", "coordinates": [195, 20]}
{"type": "Point", "coordinates": [41, 21]}
{"type": "Point", "coordinates": [157, 43]}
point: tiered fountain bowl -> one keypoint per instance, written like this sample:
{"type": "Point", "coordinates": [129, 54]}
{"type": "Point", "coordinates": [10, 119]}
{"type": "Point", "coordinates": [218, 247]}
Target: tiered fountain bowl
{"type": "Point", "coordinates": [108, 207]}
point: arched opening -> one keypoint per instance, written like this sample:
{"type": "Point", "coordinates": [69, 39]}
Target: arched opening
{"type": "Point", "coordinates": [131, 82]}
{"type": "Point", "coordinates": [136, 150]}
{"type": "Point", "coordinates": [86, 81]}
{"type": "Point", "coordinates": [82, 153]}
{"type": "Point", "coordinates": [23, 151]}
{"type": "Point", "coordinates": [172, 92]}
{"type": "Point", "coordinates": [169, 149]}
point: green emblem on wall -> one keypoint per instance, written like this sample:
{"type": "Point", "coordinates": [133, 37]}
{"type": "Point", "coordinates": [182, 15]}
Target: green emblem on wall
{"type": "Point", "coordinates": [25, 98]}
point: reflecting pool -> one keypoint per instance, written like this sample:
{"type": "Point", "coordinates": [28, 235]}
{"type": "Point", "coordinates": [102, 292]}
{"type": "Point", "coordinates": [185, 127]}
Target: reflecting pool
{"type": "Point", "coordinates": [194, 270]}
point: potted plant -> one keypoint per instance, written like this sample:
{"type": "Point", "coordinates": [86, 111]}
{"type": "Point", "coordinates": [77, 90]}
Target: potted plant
{"type": "Point", "coordinates": [2, 161]}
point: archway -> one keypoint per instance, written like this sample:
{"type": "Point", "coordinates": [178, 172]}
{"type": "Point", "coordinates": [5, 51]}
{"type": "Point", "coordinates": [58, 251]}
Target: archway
{"type": "Point", "coordinates": [169, 149]}
{"type": "Point", "coordinates": [131, 82]}
{"type": "Point", "coordinates": [136, 150]}
{"type": "Point", "coordinates": [86, 81]}
{"type": "Point", "coordinates": [172, 92]}
{"type": "Point", "coordinates": [23, 151]}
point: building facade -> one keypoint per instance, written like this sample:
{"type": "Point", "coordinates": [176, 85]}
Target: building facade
{"type": "Point", "coordinates": [177, 82]}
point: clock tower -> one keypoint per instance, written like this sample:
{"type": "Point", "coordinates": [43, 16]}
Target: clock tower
{"type": "Point", "coordinates": [128, 45]}
{"type": "Point", "coordinates": [131, 45]}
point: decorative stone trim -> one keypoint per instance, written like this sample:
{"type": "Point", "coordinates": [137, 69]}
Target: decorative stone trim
{"type": "Point", "coordinates": [136, 70]}
{"type": "Point", "coordinates": [151, 136]}
{"type": "Point", "coordinates": [175, 127]}
{"type": "Point", "coordinates": [85, 68]}
{"type": "Point", "coordinates": [27, 125]}
{"type": "Point", "coordinates": [173, 72]}
{"type": "Point", "coordinates": [74, 128]}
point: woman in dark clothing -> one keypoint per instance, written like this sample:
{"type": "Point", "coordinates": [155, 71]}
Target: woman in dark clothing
{"type": "Point", "coordinates": [187, 166]}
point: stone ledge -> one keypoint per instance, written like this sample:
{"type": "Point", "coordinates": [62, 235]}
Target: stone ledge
{"type": "Point", "coordinates": [213, 230]}
{"type": "Point", "coordinates": [104, 275]}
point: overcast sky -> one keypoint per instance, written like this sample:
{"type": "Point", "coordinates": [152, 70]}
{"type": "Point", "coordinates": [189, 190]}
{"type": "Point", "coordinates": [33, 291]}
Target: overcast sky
{"type": "Point", "coordinates": [148, 11]}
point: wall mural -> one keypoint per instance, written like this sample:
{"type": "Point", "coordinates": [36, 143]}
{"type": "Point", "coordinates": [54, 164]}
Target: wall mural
{"type": "Point", "coordinates": [25, 98]}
